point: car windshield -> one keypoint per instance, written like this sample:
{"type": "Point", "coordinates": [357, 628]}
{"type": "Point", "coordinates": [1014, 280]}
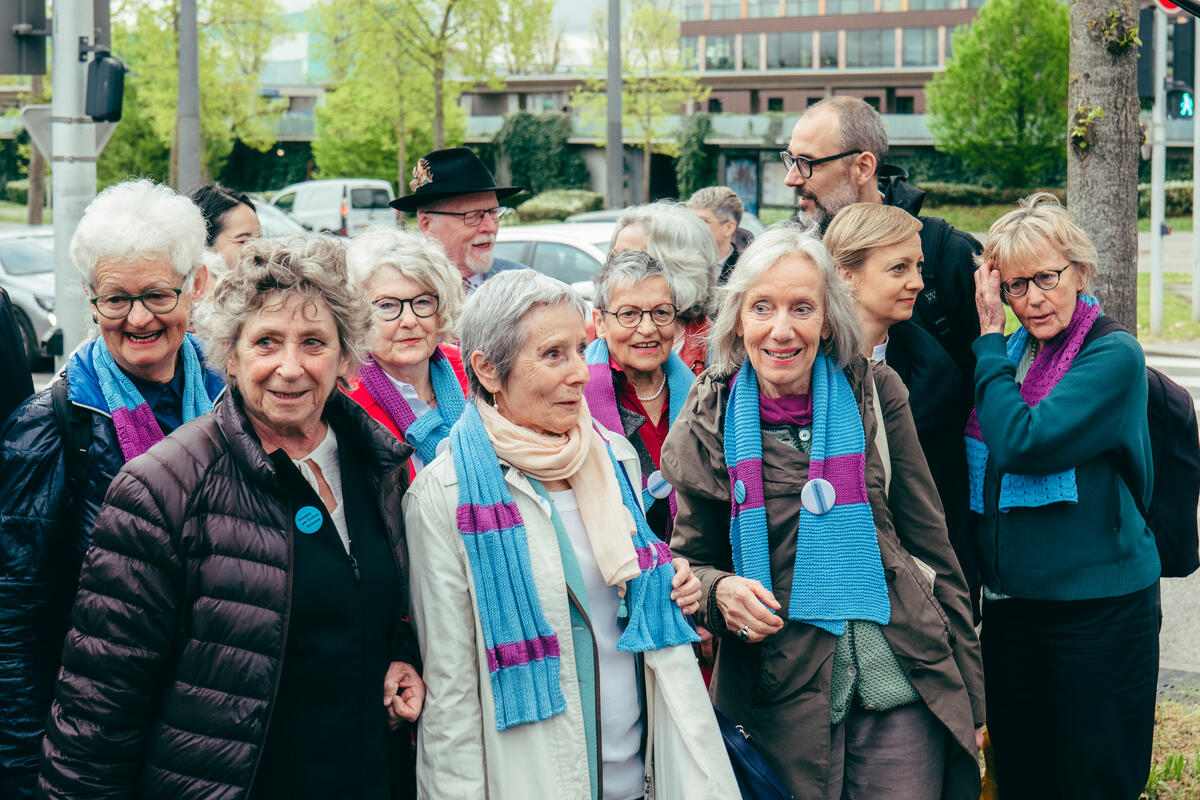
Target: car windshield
{"type": "Point", "coordinates": [275, 222]}
{"type": "Point", "coordinates": [27, 256]}
{"type": "Point", "coordinates": [369, 198]}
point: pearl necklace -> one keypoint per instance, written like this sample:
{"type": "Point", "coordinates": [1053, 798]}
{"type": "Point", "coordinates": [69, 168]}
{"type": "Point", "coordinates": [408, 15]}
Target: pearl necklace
{"type": "Point", "coordinates": [654, 396]}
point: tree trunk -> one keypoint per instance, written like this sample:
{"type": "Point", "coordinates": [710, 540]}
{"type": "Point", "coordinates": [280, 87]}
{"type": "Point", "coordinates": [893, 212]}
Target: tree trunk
{"type": "Point", "coordinates": [37, 167]}
{"type": "Point", "coordinates": [646, 153]}
{"type": "Point", "coordinates": [439, 112]}
{"type": "Point", "coordinates": [402, 158]}
{"type": "Point", "coordinates": [1102, 179]}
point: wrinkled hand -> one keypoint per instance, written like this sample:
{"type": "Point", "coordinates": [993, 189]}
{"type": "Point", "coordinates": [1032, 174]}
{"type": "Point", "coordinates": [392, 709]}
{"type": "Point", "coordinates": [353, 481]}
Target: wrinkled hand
{"type": "Point", "coordinates": [987, 299]}
{"type": "Point", "coordinates": [745, 602]}
{"type": "Point", "coordinates": [979, 739]}
{"type": "Point", "coordinates": [403, 694]}
{"type": "Point", "coordinates": [685, 587]}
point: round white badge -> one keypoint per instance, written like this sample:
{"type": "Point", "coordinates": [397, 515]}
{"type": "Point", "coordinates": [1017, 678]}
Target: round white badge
{"type": "Point", "coordinates": [818, 496]}
{"type": "Point", "coordinates": [657, 485]}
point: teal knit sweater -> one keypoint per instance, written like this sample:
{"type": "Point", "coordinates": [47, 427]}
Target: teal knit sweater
{"type": "Point", "coordinates": [1100, 546]}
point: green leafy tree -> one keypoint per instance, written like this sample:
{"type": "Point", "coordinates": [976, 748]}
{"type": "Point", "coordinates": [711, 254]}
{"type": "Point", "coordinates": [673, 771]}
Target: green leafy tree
{"type": "Point", "coordinates": [696, 166]}
{"type": "Point", "coordinates": [537, 152]}
{"type": "Point", "coordinates": [655, 87]}
{"type": "Point", "coordinates": [1001, 104]}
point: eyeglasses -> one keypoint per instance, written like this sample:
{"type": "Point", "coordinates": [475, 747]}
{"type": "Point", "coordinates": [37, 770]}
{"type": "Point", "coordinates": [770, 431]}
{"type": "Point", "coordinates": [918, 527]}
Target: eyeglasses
{"type": "Point", "coordinates": [805, 165]}
{"type": "Point", "coordinates": [1044, 280]}
{"type": "Point", "coordinates": [631, 316]}
{"type": "Point", "coordinates": [472, 219]}
{"type": "Point", "coordinates": [392, 308]}
{"type": "Point", "coordinates": [116, 305]}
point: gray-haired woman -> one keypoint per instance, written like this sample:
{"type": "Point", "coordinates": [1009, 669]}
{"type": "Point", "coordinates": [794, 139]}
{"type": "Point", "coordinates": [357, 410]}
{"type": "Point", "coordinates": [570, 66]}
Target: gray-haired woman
{"type": "Point", "coordinates": [139, 249]}
{"type": "Point", "coordinates": [680, 242]}
{"type": "Point", "coordinates": [410, 383]}
{"type": "Point", "coordinates": [546, 674]}
{"type": "Point", "coordinates": [242, 609]}
{"type": "Point", "coordinates": [848, 651]}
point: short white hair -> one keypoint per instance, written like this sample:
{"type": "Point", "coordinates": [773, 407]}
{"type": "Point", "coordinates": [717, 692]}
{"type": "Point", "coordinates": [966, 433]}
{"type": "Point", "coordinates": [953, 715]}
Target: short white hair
{"type": "Point", "coordinates": [681, 243]}
{"type": "Point", "coordinates": [727, 350]}
{"type": "Point", "coordinates": [139, 221]}
{"type": "Point", "coordinates": [415, 256]}
{"type": "Point", "coordinates": [492, 319]}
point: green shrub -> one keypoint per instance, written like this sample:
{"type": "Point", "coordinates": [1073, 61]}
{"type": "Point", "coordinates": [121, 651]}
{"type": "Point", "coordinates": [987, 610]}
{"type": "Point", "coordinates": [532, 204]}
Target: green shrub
{"type": "Point", "coordinates": [558, 204]}
{"type": "Point", "coordinates": [962, 194]}
{"type": "Point", "coordinates": [1179, 199]}
{"type": "Point", "coordinates": [539, 156]}
{"type": "Point", "coordinates": [696, 166]}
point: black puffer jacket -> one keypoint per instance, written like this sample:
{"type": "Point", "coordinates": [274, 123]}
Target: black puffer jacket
{"type": "Point", "coordinates": [179, 627]}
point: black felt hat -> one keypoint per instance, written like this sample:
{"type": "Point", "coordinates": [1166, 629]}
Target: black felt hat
{"type": "Point", "coordinates": [450, 173]}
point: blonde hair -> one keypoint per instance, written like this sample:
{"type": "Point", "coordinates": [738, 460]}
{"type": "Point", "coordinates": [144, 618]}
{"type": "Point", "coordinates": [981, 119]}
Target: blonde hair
{"type": "Point", "coordinates": [859, 228]}
{"type": "Point", "coordinates": [1039, 218]}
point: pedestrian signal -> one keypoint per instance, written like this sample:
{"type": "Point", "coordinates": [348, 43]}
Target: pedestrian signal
{"type": "Point", "coordinates": [1181, 103]}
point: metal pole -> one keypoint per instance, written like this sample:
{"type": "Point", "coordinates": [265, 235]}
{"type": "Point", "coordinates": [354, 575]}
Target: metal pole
{"type": "Point", "coordinates": [614, 188]}
{"type": "Point", "coordinates": [1158, 171]}
{"type": "Point", "coordinates": [188, 176]}
{"type": "Point", "coordinates": [1196, 192]}
{"type": "Point", "coordinates": [73, 159]}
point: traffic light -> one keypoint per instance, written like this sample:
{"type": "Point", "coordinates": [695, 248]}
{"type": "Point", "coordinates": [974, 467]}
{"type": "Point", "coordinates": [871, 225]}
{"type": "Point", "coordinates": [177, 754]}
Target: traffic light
{"type": "Point", "coordinates": [1181, 102]}
{"type": "Point", "coordinates": [23, 32]}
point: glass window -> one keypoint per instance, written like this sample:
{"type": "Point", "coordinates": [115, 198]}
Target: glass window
{"type": "Point", "coordinates": [369, 198]}
{"type": "Point", "coordinates": [849, 7]}
{"type": "Point", "coordinates": [32, 256]}
{"type": "Point", "coordinates": [933, 5]}
{"type": "Point", "coordinates": [774, 104]}
{"type": "Point", "coordinates": [693, 9]}
{"type": "Point", "coordinates": [714, 105]}
{"type": "Point", "coordinates": [789, 51]}
{"type": "Point", "coordinates": [513, 251]}
{"type": "Point", "coordinates": [873, 48]}
{"type": "Point", "coordinates": [872, 101]}
{"type": "Point", "coordinates": [725, 9]}
{"type": "Point", "coordinates": [920, 47]}
{"type": "Point", "coordinates": [750, 51]}
{"type": "Point", "coordinates": [762, 8]}
{"type": "Point", "coordinates": [904, 105]}
{"type": "Point", "coordinates": [568, 264]}
{"type": "Point", "coordinates": [891, 5]}
{"type": "Point", "coordinates": [829, 48]}
{"type": "Point", "coordinates": [974, 3]}
{"type": "Point", "coordinates": [286, 201]}
{"type": "Point", "coordinates": [718, 52]}
{"type": "Point", "coordinates": [802, 8]}
{"type": "Point", "coordinates": [688, 46]}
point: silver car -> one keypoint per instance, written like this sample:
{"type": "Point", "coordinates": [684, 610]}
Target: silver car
{"type": "Point", "coordinates": [572, 252]}
{"type": "Point", "coordinates": [27, 274]}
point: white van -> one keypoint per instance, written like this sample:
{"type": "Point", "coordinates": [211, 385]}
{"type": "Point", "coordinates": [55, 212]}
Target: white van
{"type": "Point", "coordinates": [347, 206]}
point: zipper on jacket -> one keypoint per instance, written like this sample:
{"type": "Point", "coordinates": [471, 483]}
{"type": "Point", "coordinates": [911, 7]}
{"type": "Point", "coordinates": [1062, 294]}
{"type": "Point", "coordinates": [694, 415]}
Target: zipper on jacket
{"type": "Point", "coordinates": [596, 670]}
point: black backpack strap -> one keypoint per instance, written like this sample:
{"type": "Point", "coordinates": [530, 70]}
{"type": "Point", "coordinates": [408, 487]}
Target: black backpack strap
{"type": "Point", "coordinates": [75, 430]}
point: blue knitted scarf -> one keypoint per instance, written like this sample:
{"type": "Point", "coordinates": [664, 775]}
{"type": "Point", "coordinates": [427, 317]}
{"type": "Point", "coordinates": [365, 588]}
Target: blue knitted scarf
{"type": "Point", "coordinates": [602, 398]}
{"type": "Point", "coordinates": [522, 648]}
{"type": "Point", "coordinates": [1047, 369]}
{"type": "Point", "coordinates": [838, 574]}
{"type": "Point", "coordinates": [424, 433]}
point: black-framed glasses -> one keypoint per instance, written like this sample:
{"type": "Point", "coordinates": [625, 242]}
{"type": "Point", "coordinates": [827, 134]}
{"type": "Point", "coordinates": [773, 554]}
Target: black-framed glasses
{"type": "Point", "coordinates": [392, 308]}
{"type": "Point", "coordinates": [1045, 280]}
{"type": "Point", "coordinates": [472, 219]}
{"type": "Point", "coordinates": [117, 305]}
{"type": "Point", "coordinates": [631, 316]}
{"type": "Point", "coordinates": [805, 165]}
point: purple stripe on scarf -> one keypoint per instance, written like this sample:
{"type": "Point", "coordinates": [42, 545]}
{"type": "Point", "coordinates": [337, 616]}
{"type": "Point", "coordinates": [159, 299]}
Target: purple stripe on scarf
{"type": "Point", "coordinates": [516, 654]}
{"type": "Point", "coordinates": [646, 555]}
{"type": "Point", "coordinates": [601, 397]}
{"type": "Point", "coordinates": [846, 473]}
{"type": "Point", "coordinates": [386, 395]}
{"type": "Point", "coordinates": [474, 518]}
{"type": "Point", "coordinates": [136, 429]}
{"type": "Point", "coordinates": [749, 472]}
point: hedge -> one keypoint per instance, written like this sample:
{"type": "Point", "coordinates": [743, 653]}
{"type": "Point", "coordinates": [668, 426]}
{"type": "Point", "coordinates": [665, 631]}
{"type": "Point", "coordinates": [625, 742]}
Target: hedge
{"type": "Point", "coordinates": [964, 194]}
{"type": "Point", "coordinates": [558, 204]}
{"type": "Point", "coordinates": [1179, 199]}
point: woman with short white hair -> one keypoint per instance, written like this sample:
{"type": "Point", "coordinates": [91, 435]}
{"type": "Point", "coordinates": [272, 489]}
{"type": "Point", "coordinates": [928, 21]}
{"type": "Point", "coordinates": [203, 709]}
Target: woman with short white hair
{"type": "Point", "coordinates": [413, 381]}
{"type": "Point", "coordinates": [550, 617]}
{"type": "Point", "coordinates": [848, 652]}
{"type": "Point", "coordinates": [139, 249]}
{"type": "Point", "coordinates": [679, 241]}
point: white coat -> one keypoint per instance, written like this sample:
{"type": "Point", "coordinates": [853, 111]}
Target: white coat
{"type": "Point", "coordinates": [460, 754]}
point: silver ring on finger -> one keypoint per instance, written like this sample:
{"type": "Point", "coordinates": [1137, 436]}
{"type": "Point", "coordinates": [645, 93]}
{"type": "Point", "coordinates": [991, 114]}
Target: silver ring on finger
{"type": "Point", "coordinates": [743, 633]}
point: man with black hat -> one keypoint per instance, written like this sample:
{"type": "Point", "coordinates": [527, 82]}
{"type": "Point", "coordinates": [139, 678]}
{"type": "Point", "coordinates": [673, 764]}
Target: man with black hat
{"type": "Point", "coordinates": [457, 204]}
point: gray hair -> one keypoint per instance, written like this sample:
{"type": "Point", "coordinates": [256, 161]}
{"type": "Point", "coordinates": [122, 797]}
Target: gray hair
{"type": "Point", "coordinates": [722, 201]}
{"type": "Point", "coordinates": [627, 268]}
{"type": "Point", "coordinates": [313, 267]}
{"type": "Point", "coordinates": [679, 241]}
{"type": "Point", "coordinates": [415, 256]}
{"type": "Point", "coordinates": [727, 350]}
{"type": "Point", "coordinates": [859, 125]}
{"type": "Point", "coordinates": [139, 221]}
{"type": "Point", "coordinates": [491, 322]}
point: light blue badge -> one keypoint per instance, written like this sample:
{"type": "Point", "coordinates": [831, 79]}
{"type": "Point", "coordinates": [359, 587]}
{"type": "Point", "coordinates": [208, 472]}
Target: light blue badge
{"type": "Point", "coordinates": [739, 492]}
{"type": "Point", "coordinates": [818, 496]}
{"type": "Point", "coordinates": [657, 485]}
{"type": "Point", "coordinates": [308, 519]}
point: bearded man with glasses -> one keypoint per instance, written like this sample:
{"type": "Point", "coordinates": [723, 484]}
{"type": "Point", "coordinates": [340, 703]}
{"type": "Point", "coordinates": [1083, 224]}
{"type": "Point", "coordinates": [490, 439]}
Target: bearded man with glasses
{"type": "Point", "coordinates": [456, 200]}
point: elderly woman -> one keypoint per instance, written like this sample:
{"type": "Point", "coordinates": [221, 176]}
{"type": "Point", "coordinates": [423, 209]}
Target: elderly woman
{"type": "Point", "coordinates": [637, 384]}
{"type": "Point", "coordinates": [848, 652]}
{"type": "Point", "coordinates": [549, 615]}
{"type": "Point", "coordinates": [230, 218]}
{"type": "Point", "coordinates": [139, 249]}
{"type": "Point", "coordinates": [1059, 464]}
{"type": "Point", "coordinates": [877, 251]}
{"type": "Point", "coordinates": [680, 242]}
{"type": "Point", "coordinates": [412, 384]}
{"type": "Point", "coordinates": [241, 611]}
